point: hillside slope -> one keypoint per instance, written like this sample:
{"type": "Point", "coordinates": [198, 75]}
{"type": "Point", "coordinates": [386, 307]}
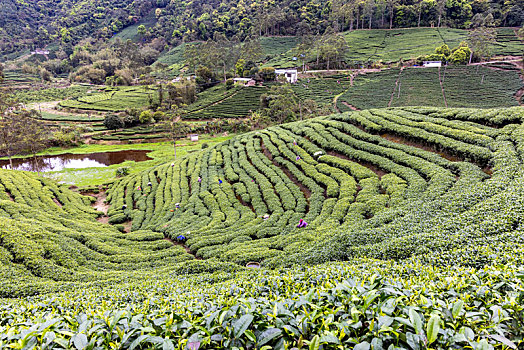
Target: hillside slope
{"type": "Point", "coordinates": [375, 183]}
{"type": "Point", "coordinates": [368, 183]}
{"type": "Point", "coordinates": [408, 197]}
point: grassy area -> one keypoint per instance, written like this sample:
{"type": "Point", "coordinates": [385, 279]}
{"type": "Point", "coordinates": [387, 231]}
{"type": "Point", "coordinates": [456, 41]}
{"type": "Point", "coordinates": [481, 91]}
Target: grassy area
{"type": "Point", "coordinates": [322, 90]}
{"type": "Point", "coordinates": [52, 94]}
{"type": "Point", "coordinates": [390, 46]}
{"type": "Point", "coordinates": [131, 32]}
{"type": "Point", "coordinates": [507, 43]}
{"type": "Point", "coordinates": [220, 103]}
{"type": "Point", "coordinates": [174, 59]}
{"type": "Point", "coordinates": [278, 51]}
{"type": "Point", "coordinates": [17, 78]}
{"type": "Point", "coordinates": [114, 99]}
{"type": "Point", "coordinates": [70, 117]}
{"type": "Point", "coordinates": [393, 45]}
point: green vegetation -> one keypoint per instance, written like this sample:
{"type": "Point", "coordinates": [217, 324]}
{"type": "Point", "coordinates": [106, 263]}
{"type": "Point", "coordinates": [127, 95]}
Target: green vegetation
{"type": "Point", "coordinates": [131, 32]}
{"type": "Point", "coordinates": [52, 94]}
{"type": "Point", "coordinates": [70, 117]}
{"type": "Point", "coordinates": [18, 78]}
{"type": "Point", "coordinates": [472, 86]}
{"type": "Point", "coordinates": [114, 99]}
{"type": "Point", "coordinates": [174, 59]}
{"type": "Point", "coordinates": [394, 45]}
{"type": "Point", "coordinates": [409, 197]}
{"type": "Point", "coordinates": [68, 22]}
{"type": "Point", "coordinates": [323, 89]}
{"type": "Point", "coordinates": [507, 43]}
{"type": "Point", "coordinates": [234, 103]}
{"type": "Point", "coordinates": [161, 152]}
{"type": "Point", "coordinates": [278, 51]}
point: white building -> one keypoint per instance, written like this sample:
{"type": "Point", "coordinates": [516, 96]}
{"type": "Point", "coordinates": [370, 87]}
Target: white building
{"type": "Point", "coordinates": [290, 74]}
{"type": "Point", "coordinates": [430, 64]}
{"type": "Point", "coordinates": [40, 52]}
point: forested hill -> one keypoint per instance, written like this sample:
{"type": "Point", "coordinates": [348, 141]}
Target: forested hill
{"type": "Point", "coordinates": [26, 24]}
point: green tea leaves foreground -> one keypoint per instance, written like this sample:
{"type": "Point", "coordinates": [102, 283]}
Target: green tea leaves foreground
{"type": "Point", "coordinates": [424, 205]}
{"type": "Point", "coordinates": [323, 306]}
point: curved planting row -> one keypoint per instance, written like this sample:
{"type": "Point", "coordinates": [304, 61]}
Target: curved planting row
{"type": "Point", "coordinates": [49, 236]}
{"type": "Point", "coordinates": [244, 200]}
{"type": "Point", "coordinates": [431, 241]}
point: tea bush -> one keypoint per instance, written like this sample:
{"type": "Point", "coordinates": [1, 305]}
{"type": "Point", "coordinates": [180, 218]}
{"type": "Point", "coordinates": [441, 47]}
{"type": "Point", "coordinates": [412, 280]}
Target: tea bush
{"type": "Point", "coordinates": [414, 240]}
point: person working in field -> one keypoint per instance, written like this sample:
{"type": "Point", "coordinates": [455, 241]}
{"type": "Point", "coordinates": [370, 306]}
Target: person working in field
{"type": "Point", "coordinates": [302, 224]}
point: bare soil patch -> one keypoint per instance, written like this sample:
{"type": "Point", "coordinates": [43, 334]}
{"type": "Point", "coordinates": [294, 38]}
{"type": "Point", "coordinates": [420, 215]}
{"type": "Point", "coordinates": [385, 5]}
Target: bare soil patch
{"type": "Point", "coordinates": [350, 106]}
{"type": "Point", "coordinates": [57, 202]}
{"type": "Point", "coordinates": [188, 251]}
{"type": "Point", "coordinates": [306, 191]}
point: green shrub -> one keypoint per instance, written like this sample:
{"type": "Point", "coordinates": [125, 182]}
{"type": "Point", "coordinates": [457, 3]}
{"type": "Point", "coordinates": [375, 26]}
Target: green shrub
{"type": "Point", "coordinates": [229, 83]}
{"type": "Point", "coordinates": [121, 172]}
{"type": "Point", "coordinates": [113, 122]}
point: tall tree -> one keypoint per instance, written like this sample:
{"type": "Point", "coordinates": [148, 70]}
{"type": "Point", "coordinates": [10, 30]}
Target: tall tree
{"type": "Point", "coordinates": [391, 9]}
{"type": "Point", "coordinates": [441, 8]}
{"type": "Point", "coordinates": [251, 50]}
{"type": "Point", "coordinates": [480, 41]}
{"type": "Point", "coordinates": [192, 55]}
{"type": "Point", "coordinates": [332, 48]}
{"type": "Point", "coordinates": [35, 136]}
{"type": "Point", "coordinates": [369, 7]}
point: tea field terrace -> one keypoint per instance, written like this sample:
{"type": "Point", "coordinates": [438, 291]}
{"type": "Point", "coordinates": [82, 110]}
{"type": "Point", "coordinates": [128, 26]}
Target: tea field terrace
{"type": "Point", "coordinates": [408, 196]}
{"type": "Point", "coordinates": [357, 176]}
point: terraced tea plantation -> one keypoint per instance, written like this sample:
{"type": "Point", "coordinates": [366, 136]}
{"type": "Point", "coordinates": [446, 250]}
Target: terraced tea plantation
{"type": "Point", "coordinates": [113, 99]}
{"type": "Point", "coordinates": [413, 240]}
{"type": "Point", "coordinates": [393, 45]}
{"type": "Point", "coordinates": [322, 90]}
{"type": "Point", "coordinates": [218, 103]}
{"type": "Point", "coordinates": [452, 86]}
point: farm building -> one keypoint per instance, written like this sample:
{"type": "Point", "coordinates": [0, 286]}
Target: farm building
{"type": "Point", "coordinates": [290, 74]}
{"type": "Point", "coordinates": [430, 64]}
{"type": "Point", "coordinates": [40, 52]}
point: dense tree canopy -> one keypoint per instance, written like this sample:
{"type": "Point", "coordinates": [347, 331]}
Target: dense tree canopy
{"type": "Point", "coordinates": [36, 23]}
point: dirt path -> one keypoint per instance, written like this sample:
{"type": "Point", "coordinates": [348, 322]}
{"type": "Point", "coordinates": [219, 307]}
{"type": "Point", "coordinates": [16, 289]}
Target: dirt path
{"type": "Point", "coordinates": [497, 61]}
{"type": "Point", "coordinates": [100, 205]}
{"type": "Point", "coordinates": [188, 251]}
{"type": "Point", "coordinates": [350, 106]}
{"type": "Point", "coordinates": [441, 81]}
{"type": "Point", "coordinates": [50, 107]}
{"type": "Point", "coordinates": [335, 100]}
{"type": "Point", "coordinates": [396, 86]}
{"type": "Point", "coordinates": [57, 202]}
{"type": "Point", "coordinates": [11, 198]}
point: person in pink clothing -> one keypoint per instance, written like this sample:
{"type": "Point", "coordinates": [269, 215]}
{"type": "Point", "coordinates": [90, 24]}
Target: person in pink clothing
{"type": "Point", "coordinates": [302, 224]}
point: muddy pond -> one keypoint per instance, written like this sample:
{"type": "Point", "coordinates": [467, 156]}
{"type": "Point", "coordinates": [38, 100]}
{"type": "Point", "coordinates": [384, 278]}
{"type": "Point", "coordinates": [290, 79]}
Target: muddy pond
{"type": "Point", "coordinates": [75, 161]}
